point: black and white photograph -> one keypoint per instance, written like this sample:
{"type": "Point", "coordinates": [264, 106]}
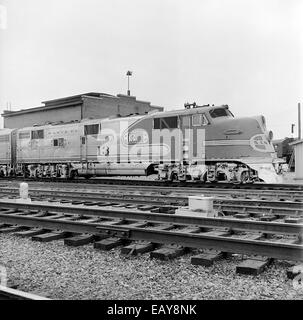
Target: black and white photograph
{"type": "Point", "coordinates": [151, 153]}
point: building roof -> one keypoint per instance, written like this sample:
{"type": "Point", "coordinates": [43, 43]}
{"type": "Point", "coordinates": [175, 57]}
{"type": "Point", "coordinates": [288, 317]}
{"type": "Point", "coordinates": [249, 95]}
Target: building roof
{"type": "Point", "coordinates": [296, 142]}
{"type": "Point", "coordinates": [76, 98]}
{"type": "Point", "coordinates": [71, 101]}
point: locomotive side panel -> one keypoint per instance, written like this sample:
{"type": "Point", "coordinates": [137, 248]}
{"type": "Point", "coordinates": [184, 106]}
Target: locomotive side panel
{"type": "Point", "coordinates": [115, 142]}
{"type": "Point", "coordinates": [7, 152]}
{"type": "Point", "coordinates": [143, 143]}
{"type": "Point", "coordinates": [49, 144]}
{"type": "Point", "coordinates": [6, 146]}
{"type": "Point", "coordinates": [199, 143]}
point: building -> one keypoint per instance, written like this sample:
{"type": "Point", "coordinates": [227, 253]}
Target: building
{"type": "Point", "coordinates": [284, 150]}
{"type": "Point", "coordinates": [298, 147]}
{"type": "Point", "coordinates": [91, 105]}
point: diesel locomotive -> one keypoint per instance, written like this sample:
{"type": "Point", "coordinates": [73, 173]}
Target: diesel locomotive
{"type": "Point", "coordinates": [204, 143]}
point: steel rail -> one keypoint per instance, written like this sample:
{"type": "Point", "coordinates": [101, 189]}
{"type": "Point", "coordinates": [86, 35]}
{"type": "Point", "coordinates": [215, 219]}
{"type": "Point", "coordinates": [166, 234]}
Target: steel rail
{"type": "Point", "coordinates": [233, 224]}
{"type": "Point", "coordinates": [259, 204]}
{"type": "Point", "coordinates": [270, 249]}
{"type": "Point", "coordinates": [290, 194]}
{"type": "Point", "coordinates": [13, 294]}
{"type": "Point", "coordinates": [188, 184]}
{"type": "Point", "coordinates": [285, 251]}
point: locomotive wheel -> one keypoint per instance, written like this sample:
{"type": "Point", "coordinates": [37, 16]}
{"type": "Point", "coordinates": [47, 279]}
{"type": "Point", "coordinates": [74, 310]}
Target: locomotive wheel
{"type": "Point", "coordinates": [204, 177]}
{"type": "Point", "coordinates": [72, 174]}
{"type": "Point", "coordinates": [174, 177]}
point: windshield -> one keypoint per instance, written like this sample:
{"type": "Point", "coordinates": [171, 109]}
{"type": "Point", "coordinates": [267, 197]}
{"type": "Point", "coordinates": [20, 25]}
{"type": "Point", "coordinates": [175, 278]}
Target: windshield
{"type": "Point", "coordinates": [220, 112]}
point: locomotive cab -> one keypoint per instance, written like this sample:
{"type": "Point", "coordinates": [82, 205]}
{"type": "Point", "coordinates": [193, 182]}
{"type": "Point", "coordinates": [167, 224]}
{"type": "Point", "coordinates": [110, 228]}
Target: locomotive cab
{"type": "Point", "coordinates": [215, 146]}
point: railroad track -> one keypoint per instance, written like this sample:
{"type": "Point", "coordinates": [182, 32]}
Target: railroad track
{"type": "Point", "coordinates": [175, 184]}
{"type": "Point", "coordinates": [109, 228]}
{"type": "Point", "coordinates": [13, 294]}
{"type": "Point", "coordinates": [227, 206]}
{"type": "Point", "coordinates": [293, 195]}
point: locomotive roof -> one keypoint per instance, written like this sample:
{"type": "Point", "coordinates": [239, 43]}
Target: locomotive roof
{"type": "Point", "coordinates": [152, 114]}
{"type": "Point", "coordinates": [187, 111]}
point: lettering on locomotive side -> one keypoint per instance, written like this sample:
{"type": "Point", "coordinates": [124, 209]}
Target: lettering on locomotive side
{"type": "Point", "coordinates": [138, 144]}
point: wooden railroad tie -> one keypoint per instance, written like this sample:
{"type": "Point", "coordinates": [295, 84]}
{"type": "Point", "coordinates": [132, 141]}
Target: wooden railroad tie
{"type": "Point", "coordinates": [168, 252]}
{"type": "Point", "coordinates": [253, 266]}
{"type": "Point", "coordinates": [51, 236]}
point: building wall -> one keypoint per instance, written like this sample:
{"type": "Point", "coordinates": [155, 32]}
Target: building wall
{"type": "Point", "coordinates": [299, 160]}
{"type": "Point", "coordinates": [41, 117]}
{"type": "Point", "coordinates": [106, 107]}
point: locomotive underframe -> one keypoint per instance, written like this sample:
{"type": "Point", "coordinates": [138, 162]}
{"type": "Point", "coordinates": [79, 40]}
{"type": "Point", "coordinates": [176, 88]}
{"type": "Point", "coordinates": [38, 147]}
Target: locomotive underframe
{"type": "Point", "coordinates": [211, 171]}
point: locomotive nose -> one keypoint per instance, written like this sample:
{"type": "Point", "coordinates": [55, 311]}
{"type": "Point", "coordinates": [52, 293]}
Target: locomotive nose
{"type": "Point", "coordinates": [262, 122]}
{"type": "Point", "coordinates": [242, 128]}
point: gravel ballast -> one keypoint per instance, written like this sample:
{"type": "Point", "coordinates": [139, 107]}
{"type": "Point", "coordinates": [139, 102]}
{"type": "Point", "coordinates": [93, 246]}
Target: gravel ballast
{"type": "Point", "coordinates": [60, 272]}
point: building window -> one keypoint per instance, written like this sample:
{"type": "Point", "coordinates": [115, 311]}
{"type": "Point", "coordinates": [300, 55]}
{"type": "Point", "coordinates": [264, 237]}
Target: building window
{"type": "Point", "coordinates": [37, 134]}
{"type": "Point", "coordinates": [166, 123]}
{"type": "Point", "coordinates": [91, 129]}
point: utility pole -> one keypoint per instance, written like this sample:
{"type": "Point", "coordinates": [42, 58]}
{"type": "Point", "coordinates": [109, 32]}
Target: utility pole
{"type": "Point", "coordinates": [129, 74]}
{"type": "Point", "coordinates": [292, 129]}
{"type": "Point", "coordinates": [299, 121]}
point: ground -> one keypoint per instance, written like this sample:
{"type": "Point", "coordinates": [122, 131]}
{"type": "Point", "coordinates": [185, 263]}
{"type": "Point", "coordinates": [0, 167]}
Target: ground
{"type": "Point", "coordinates": [62, 272]}
{"type": "Point", "coordinates": [289, 177]}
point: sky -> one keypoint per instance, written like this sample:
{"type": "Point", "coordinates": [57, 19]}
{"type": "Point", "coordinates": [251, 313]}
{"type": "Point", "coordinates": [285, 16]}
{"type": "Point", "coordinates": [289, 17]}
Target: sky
{"type": "Point", "coordinates": [244, 53]}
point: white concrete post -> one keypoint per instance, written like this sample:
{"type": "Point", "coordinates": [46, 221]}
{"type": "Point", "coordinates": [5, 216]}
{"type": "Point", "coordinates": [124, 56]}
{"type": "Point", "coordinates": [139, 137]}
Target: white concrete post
{"type": "Point", "coordinates": [24, 191]}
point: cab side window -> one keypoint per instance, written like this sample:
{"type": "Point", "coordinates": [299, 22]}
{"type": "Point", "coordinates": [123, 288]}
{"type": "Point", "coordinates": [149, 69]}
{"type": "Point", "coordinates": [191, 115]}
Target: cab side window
{"type": "Point", "coordinates": [166, 123]}
{"type": "Point", "coordinates": [220, 112]}
{"type": "Point", "coordinates": [199, 120]}
{"type": "Point", "coordinates": [185, 121]}
{"type": "Point", "coordinates": [37, 134]}
{"type": "Point", "coordinates": [91, 129]}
